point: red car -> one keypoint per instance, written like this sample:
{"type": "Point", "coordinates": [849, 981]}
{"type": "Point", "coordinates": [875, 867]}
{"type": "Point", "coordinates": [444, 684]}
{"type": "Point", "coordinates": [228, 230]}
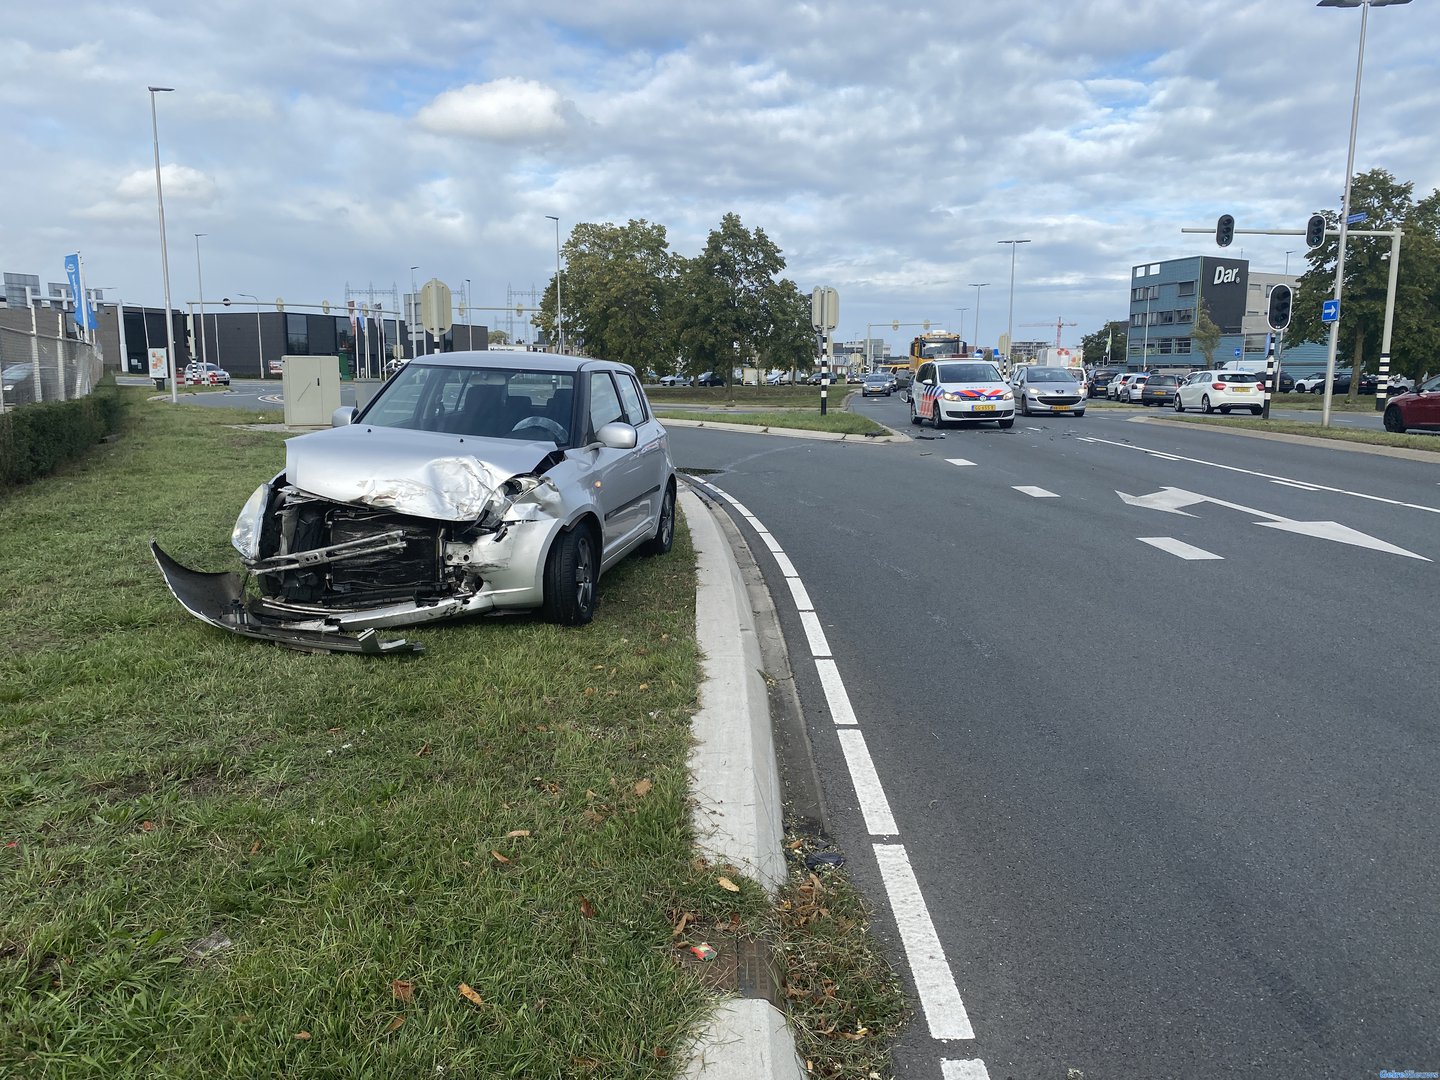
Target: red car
{"type": "Point", "coordinates": [1419, 409]}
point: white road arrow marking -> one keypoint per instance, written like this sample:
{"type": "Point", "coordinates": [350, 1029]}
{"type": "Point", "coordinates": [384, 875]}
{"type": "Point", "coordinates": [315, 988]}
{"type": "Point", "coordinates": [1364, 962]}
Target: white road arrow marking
{"type": "Point", "coordinates": [1169, 500]}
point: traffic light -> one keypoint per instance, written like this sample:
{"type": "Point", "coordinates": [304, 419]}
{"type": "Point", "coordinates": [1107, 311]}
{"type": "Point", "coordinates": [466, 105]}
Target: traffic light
{"type": "Point", "coordinates": [1315, 231]}
{"type": "Point", "coordinates": [1279, 314]}
{"type": "Point", "coordinates": [1224, 230]}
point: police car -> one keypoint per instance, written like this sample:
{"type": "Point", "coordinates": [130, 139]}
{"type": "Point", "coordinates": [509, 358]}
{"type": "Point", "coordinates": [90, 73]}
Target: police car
{"type": "Point", "coordinates": [955, 389]}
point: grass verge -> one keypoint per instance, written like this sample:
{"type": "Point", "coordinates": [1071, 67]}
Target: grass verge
{"type": "Point", "coordinates": [768, 397]}
{"type": "Point", "coordinates": [1301, 427]}
{"type": "Point", "coordinates": [838, 420]}
{"type": "Point", "coordinates": [224, 858]}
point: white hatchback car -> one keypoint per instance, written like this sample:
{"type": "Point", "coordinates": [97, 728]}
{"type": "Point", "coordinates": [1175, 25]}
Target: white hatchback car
{"type": "Point", "coordinates": [1223, 390]}
{"type": "Point", "coordinates": [956, 389]}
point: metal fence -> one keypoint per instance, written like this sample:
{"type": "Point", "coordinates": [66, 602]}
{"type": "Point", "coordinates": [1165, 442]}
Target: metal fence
{"type": "Point", "coordinates": [36, 368]}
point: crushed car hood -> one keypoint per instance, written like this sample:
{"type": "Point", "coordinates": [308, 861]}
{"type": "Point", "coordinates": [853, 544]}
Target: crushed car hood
{"type": "Point", "coordinates": [420, 473]}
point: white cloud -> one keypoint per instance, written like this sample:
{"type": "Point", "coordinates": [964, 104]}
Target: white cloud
{"type": "Point", "coordinates": [506, 110]}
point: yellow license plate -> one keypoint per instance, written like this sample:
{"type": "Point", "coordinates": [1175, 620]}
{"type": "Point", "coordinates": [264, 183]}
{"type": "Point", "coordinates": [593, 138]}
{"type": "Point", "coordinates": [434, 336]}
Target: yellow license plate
{"type": "Point", "coordinates": [1060, 408]}
{"type": "Point", "coordinates": [1240, 389]}
{"type": "Point", "coordinates": [984, 408]}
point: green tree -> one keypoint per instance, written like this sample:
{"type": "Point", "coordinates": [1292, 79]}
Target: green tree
{"type": "Point", "coordinates": [499, 337]}
{"type": "Point", "coordinates": [1093, 345]}
{"type": "Point", "coordinates": [1205, 335]}
{"type": "Point", "coordinates": [616, 288]}
{"type": "Point", "coordinates": [1387, 204]}
{"type": "Point", "coordinates": [727, 306]}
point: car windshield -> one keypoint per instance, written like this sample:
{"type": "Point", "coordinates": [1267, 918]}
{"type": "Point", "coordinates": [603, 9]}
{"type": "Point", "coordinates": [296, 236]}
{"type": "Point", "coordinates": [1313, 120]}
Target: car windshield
{"type": "Point", "coordinates": [967, 373]}
{"type": "Point", "coordinates": [1059, 375]}
{"type": "Point", "coordinates": [491, 402]}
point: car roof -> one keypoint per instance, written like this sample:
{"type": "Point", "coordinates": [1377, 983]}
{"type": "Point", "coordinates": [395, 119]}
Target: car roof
{"type": "Point", "coordinates": [529, 361]}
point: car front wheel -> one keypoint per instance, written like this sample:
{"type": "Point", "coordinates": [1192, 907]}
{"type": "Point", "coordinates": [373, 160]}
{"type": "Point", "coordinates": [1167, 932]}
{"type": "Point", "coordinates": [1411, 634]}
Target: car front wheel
{"type": "Point", "coordinates": [935, 421]}
{"type": "Point", "coordinates": [914, 416]}
{"type": "Point", "coordinates": [1178, 406]}
{"type": "Point", "coordinates": [570, 578]}
{"type": "Point", "coordinates": [1394, 421]}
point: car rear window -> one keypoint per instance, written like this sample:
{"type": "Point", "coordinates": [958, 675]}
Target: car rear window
{"type": "Point", "coordinates": [1240, 376]}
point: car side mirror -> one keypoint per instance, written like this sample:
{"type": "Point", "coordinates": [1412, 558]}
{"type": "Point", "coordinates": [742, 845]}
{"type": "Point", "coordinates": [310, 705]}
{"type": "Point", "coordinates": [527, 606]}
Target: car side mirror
{"type": "Point", "coordinates": [618, 435]}
{"type": "Point", "coordinates": [344, 416]}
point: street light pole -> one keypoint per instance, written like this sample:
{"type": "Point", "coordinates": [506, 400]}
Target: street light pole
{"type": "Point", "coordinates": [1287, 261]}
{"type": "Point", "coordinates": [200, 282]}
{"type": "Point", "coordinates": [469, 326]}
{"type": "Point", "coordinates": [259, 342]}
{"type": "Point", "coordinates": [1364, 6]}
{"type": "Point", "coordinates": [962, 311]}
{"type": "Point", "coordinates": [413, 315]}
{"type": "Point", "coordinates": [977, 286]}
{"type": "Point", "coordinates": [164, 252]}
{"type": "Point", "coordinates": [1010, 319]}
{"type": "Point", "coordinates": [559, 308]}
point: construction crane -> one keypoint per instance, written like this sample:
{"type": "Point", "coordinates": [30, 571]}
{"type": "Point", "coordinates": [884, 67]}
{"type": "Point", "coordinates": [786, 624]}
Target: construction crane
{"type": "Point", "coordinates": [1060, 324]}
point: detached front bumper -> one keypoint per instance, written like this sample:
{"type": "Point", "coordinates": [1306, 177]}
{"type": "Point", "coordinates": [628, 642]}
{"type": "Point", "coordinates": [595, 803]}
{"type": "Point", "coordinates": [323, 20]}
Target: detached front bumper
{"type": "Point", "coordinates": [219, 599]}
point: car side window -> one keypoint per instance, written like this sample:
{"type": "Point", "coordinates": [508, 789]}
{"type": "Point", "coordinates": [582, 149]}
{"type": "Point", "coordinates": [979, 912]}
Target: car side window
{"type": "Point", "coordinates": [631, 399]}
{"type": "Point", "coordinates": [604, 401]}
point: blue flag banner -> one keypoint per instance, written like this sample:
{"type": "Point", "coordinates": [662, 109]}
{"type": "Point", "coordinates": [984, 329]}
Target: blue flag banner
{"type": "Point", "coordinates": [84, 314]}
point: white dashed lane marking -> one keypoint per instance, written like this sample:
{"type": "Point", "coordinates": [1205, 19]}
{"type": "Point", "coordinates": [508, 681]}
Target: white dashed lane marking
{"type": "Point", "coordinates": [959, 461]}
{"type": "Point", "coordinates": [1178, 548]}
{"type": "Point", "coordinates": [1036, 492]}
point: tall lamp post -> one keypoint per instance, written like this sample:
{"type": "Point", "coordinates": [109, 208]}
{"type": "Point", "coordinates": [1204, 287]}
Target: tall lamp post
{"type": "Point", "coordinates": [977, 286]}
{"type": "Point", "coordinates": [559, 308]}
{"type": "Point", "coordinates": [200, 283]}
{"type": "Point", "coordinates": [164, 252]}
{"type": "Point", "coordinates": [469, 326]}
{"type": "Point", "coordinates": [1364, 6]}
{"type": "Point", "coordinates": [259, 342]}
{"type": "Point", "coordinates": [962, 311]}
{"type": "Point", "coordinates": [1010, 318]}
{"type": "Point", "coordinates": [413, 315]}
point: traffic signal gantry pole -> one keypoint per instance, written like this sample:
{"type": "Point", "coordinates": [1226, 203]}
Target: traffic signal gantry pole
{"type": "Point", "coordinates": [1382, 388]}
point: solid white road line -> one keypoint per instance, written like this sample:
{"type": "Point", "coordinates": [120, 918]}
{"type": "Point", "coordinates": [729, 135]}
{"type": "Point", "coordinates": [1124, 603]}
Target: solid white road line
{"type": "Point", "coordinates": [973, 1069]}
{"type": "Point", "coordinates": [958, 461]}
{"type": "Point", "coordinates": [1037, 492]}
{"type": "Point", "coordinates": [770, 541]}
{"type": "Point", "coordinates": [1293, 484]}
{"type": "Point", "coordinates": [1178, 548]}
{"type": "Point", "coordinates": [786, 566]}
{"type": "Point", "coordinates": [835, 695]}
{"type": "Point", "coordinates": [814, 634]}
{"type": "Point", "coordinates": [939, 997]}
{"type": "Point", "coordinates": [868, 792]}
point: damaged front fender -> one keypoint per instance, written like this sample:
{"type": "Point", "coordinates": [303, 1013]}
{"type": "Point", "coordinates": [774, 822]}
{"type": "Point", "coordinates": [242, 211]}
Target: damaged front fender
{"type": "Point", "coordinates": [219, 599]}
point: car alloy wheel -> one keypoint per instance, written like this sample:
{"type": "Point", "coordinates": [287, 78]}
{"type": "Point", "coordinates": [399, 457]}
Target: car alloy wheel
{"type": "Point", "coordinates": [935, 421]}
{"type": "Point", "coordinates": [664, 536]}
{"type": "Point", "coordinates": [1178, 406]}
{"type": "Point", "coordinates": [914, 416]}
{"type": "Point", "coordinates": [1205, 404]}
{"type": "Point", "coordinates": [570, 578]}
{"type": "Point", "coordinates": [1394, 421]}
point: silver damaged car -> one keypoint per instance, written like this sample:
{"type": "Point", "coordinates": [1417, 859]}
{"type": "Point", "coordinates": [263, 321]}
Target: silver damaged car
{"type": "Point", "coordinates": [473, 483]}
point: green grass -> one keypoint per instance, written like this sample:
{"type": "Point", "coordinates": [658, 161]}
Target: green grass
{"type": "Point", "coordinates": [1365, 403]}
{"type": "Point", "coordinates": [507, 811]}
{"type": "Point", "coordinates": [769, 397]}
{"type": "Point", "coordinates": [837, 420]}
{"type": "Point", "coordinates": [1303, 427]}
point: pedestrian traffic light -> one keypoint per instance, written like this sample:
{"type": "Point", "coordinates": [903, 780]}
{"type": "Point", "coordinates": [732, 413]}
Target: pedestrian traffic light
{"type": "Point", "coordinates": [1224, 230]}
{"type": "Point", "coordinates": [1280, 300]}
{"type": "Point", "coordinates": [1315, 231]}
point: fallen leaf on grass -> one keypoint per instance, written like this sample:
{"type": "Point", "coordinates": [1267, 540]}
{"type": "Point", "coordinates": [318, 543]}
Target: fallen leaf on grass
{"type": "Point", "coordinates": [498, 857]}
{"type": "Point", "coordinates": [726, 884]}
{"type": "Point", "coordinates": [303, 1036]}
{"type": "Point", "coordinates": [586, 908]}
{"type": "Point", "coordinates": [470, 995]}
{"type": "Point", "coordinates": [147, 826]}
{"type": "Point", "coordinates": [680, 926]}
{"type": "Point", "coordinates": [403, 990]}
{"type": "Point", "coordinates": [642, 787]}
{"type": "Point", "coordinates": [517, 832]}
{"type": "Point", "coordinates": [394, 1025]}
{"type": "Point", "coordinates": [424, 751]}
{"type": "Point", "coordinates": [255, 847]}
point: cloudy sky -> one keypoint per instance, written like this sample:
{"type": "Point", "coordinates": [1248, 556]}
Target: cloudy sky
{"type": "Point", "coordinates": [886, 147]}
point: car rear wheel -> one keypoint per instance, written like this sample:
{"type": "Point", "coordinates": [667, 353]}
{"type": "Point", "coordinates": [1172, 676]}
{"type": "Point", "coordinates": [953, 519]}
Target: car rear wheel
{"type": "Point", "coordinates": [1394, 421]}
{"type": "Point", "coordinates": [1257, 410]}
{"type": "Point", "coordinates": [1205, 404]}
{"type": "Point", "coordinates": [664, 536]}
{"type": "Point", "coordinates": [570, 578]}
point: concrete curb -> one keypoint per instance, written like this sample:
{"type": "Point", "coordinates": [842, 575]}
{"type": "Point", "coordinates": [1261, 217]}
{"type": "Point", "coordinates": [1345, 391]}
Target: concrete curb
{"type": "Point", "coordinates": [736, 792]}
{"type": "Point", "coordinates": [789, 433]}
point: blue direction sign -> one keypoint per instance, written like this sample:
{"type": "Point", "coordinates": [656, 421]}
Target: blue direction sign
{"type": "Point", "coordinates": [1355, 219]}
{"type": "Point", "coordinates": [1330, 311]}
{"type": "Point", "coordinates": [1237, 351]}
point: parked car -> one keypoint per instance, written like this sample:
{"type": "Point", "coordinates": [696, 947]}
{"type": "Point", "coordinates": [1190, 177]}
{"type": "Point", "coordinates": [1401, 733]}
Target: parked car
{"type": "Point", "coordinates": [1048, 390]}
{"type": "Point", "coordinates": [778, 378]}
{"type": "Point", "coordinates": [1400, 384]}
{"type": "Point", "coordinates": [1100, 379]}
{"type": "Point", "coordinates": [675, 380]}
{"type": "Point", "coordinates": [1117, 389]}
{"type": "Point", "coordinates": [958, 390]}
{"type": "Point", "coordinates": [1134, 385]}
{"type": "Point", "coordinates": [875, 385]}
{"type": "Point", "coordinates": [1159, 390]}
{"type": "Point", "coordinates": [1222, 389]}
{"type": "Point", "coordinates": [1310, 384]}
{"type": "Point", "coordinates": [1284, 382]}
{"type": "Point", "coordinates": [473, 483]}
{"type": "Point", "coordinates": [709, 378]}
{"type": "Point", "coordinates": [1415, 409]}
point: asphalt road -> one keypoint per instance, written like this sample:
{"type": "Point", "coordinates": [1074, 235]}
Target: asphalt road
{"type": "Point", "coordinates": [1168, 801]}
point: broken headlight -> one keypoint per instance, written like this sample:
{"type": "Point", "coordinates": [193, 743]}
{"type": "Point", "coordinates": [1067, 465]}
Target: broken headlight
{"type": "Point", "coordinates": [246, 534]}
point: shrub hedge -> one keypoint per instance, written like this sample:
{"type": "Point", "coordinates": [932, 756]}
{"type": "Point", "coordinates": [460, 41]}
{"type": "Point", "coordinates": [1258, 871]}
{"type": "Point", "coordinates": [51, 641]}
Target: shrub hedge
{"type": "Point", "coordinates": [35, 440]}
